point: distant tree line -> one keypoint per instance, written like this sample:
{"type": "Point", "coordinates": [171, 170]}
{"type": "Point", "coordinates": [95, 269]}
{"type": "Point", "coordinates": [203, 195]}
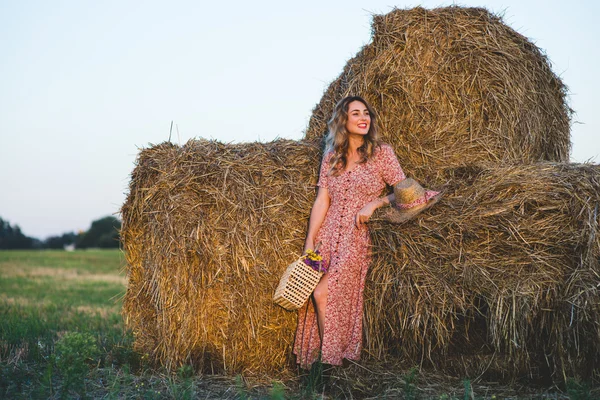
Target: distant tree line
{"type": "Point", "coordinates": [11, 237]}
{"type": "Point", "coordinates": [104, 233]}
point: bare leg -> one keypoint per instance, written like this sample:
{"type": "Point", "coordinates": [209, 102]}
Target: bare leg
{"type": "Point", "coordinates": [320, 296]}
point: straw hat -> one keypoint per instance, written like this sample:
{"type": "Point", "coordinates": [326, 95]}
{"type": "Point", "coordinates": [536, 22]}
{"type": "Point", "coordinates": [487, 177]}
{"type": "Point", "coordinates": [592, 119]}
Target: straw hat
{"type": "Point", "coordinates": [411, 199]}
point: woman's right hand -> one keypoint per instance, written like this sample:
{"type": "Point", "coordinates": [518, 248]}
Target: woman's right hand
{"type": "Point", "coordinates": [308, 245]}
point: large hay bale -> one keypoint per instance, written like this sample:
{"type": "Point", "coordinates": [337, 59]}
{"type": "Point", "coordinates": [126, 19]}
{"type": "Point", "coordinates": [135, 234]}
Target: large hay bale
{"type": "Point", "coordinates": [455, 86]}
{"type": "Point", "coordinates": [207, 229]}
{"type": "Point", "coordinates": [503, 271]}
{"type": "Point", "coordinates": [501, 276]}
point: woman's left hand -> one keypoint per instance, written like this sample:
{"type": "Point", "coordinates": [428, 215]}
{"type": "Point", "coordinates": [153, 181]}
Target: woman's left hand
{"type": "Point", "coordinates": [365, 213]}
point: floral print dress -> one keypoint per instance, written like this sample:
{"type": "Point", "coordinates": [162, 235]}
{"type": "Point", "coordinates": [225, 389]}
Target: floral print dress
{"type": "Point", "coordinates": [346, 248]}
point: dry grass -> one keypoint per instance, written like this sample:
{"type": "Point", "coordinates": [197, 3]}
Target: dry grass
{"type": "Point", "coordinates": [455, 86]}
{"type": "Point", "coordinates": [24, 301]}
{"type": "Point", "coordinates": [66, 274]}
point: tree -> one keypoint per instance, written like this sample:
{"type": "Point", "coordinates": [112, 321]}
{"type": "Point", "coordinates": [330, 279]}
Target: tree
{"type": "Point", "coordinates": [103, 233]}
{"type": "Point", "coordinates": [59, 242]}
{"type": "Point", "coordinates": [11, 237]}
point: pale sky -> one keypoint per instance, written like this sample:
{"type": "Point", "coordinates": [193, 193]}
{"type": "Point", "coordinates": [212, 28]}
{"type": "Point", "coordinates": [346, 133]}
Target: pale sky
{"type": "Point", "coordinates": [84, 84]}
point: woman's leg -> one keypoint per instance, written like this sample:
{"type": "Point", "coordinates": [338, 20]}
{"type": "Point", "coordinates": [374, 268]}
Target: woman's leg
{"type": "Point", "coordinates": [320, 296]}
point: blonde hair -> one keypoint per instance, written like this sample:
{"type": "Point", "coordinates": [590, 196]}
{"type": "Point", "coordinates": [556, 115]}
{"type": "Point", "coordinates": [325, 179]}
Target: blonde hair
{"type": "Point", "coordinates": [337, 139]}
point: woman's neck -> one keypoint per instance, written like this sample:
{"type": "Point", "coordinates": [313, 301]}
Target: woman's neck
{"type": "Point", "coordinates": [354, 142]}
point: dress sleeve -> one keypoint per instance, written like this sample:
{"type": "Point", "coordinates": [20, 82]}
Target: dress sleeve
{"type": "Point", "coordinates": [390, 167]}
{"type": "Point", "coordinates": [323, 178]}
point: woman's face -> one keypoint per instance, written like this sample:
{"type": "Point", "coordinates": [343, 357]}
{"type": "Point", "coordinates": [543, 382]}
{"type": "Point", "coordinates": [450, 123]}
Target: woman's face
{"type": "Point", "coordinates": [359, 120]}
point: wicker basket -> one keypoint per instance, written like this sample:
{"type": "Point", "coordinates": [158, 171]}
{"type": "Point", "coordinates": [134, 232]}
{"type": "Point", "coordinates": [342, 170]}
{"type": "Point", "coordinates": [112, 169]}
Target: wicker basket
{"type": "Point", "coordinates": [297, 283]}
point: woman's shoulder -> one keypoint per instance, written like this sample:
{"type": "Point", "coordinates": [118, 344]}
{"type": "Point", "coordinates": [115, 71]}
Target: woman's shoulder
{"type": "Point", "coordinates": [383, 149]}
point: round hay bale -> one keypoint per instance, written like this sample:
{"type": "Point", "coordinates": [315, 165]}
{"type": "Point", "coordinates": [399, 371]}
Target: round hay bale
{"type": "Point", "coordinates": [455, 86]}
{"type": "Point", "coordinates": [500, 276]}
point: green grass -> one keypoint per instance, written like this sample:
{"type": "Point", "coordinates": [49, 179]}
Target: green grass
{"type": "Point", "coordinates": [61, 293]}
{"type": "Point", "coordinates": [62, 334]}
{"type": "Point", "coordinates": [49, 295]}
{"type": "Point", "coordinates": [86, 261]}
{"type": "Point", "coordinates": [40, 298]}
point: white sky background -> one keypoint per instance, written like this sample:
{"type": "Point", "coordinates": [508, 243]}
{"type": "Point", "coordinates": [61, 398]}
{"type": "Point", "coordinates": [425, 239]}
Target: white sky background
{"type": "Point", "coordinates": [84, 84]}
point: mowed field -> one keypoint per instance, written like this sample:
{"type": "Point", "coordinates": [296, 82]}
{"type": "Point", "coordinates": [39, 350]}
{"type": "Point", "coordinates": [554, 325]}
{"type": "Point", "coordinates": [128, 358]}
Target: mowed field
{"type": "Point", "coordinates": [62, 336]}
{"type": "Point", "coordinates": [90, 283]}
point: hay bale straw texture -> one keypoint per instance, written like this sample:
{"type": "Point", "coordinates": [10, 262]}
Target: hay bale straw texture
{"type": "Point", "coordinates": [455, 86]}
{"type": "Point", "coordinates": [501, 275]}
{"type": "Point", "coordinates": [207, 231]}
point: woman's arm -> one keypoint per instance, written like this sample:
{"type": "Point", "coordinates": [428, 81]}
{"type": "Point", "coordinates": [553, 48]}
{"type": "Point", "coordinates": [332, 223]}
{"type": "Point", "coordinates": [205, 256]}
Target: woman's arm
{"type": "Point", "coordinates": [317, 216]}
{"type": "Point", "coordinates": [392, 173]}
{"type": "Point", "coordinates": [365, 213]}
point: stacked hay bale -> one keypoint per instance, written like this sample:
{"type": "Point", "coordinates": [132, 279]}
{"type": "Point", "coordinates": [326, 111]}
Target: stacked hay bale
{"type": "Point", "coordinates": [485, 279]}
{"type": "Point", "coordinates": [455, 86]}
{"type": "Point", "coordinates": [497, 274]}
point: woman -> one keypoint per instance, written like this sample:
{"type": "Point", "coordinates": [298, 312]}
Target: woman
{"type": "Point", "coordinates": [354, 173]}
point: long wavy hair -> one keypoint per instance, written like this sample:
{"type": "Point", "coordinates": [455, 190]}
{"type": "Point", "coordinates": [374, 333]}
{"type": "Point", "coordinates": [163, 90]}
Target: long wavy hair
{"type": "Point", "coordinates": [337, 139]}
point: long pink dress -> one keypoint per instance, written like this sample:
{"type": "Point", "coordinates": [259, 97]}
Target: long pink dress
{"type": "Point", "coordinates": [347, 250]}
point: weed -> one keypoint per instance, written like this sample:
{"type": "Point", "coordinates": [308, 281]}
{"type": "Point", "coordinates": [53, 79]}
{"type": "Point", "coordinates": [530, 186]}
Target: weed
{"type": "Point", "coordinates": [75, 353]}
{"type": "Point", "coordinates": [409, 383]}
{"type": "Point", "coordinates": [468, 389]}
{"type": "Point", "coordinates": [183, 386]}
{"type": "Point", "coordinates": [48, 375]}
{"type": "Point", "coordinates": [314, 382]}
{"type": "Point", "coordinates": [277, 391]}
{"type": "Point", "coordinates": [114, 384]}
{"type": "Point", "coordinates": [241, 388]}
{"type": "Point", "coordinates": [578, 390]}
{"type": "Point", "coordinates": [185, 372]}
